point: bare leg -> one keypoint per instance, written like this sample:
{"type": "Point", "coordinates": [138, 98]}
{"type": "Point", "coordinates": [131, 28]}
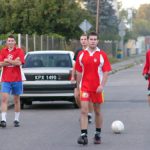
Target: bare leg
{"type": "Point", "coordinates": [90, 112]}
{"type": "Point", "coordinates": [84, 113]}
{"type": "Point", "coordinates": [4, 102]}
{"type": "Point", "coordinates": [4, 105]}
{"type": "Point", "coordinates": [98, 116]}
{"type": "Point", "coordinates": [17, 110]}
{"type": "Point", "coordinates": [17, 103]}
{"type": "Point", "coordinates": [77, 97]}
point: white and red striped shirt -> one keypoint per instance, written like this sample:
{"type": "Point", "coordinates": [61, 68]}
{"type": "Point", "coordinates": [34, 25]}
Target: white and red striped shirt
{"type": "Point", "coordinates": [11, 73]}
{"type": "Point", "coordinates": [92, 65]}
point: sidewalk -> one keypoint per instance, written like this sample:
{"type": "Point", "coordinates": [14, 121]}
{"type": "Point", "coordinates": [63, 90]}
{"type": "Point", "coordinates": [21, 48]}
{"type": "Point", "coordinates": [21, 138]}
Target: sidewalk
{"type": "Point", "coordinates": [127, 63]}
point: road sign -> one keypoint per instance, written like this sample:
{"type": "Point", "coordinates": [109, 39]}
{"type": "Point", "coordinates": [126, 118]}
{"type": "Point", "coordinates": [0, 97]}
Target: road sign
{"type": "Point", "coordinates": [85, 26]}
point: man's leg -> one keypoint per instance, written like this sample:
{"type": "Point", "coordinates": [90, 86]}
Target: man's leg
{"type": "Point", "coordinates": [4, 105]}
{"type": "Point", "coordinates": [77, 97]}
{"type": "Point", "coordinates": [90, 112]}
{"type": "Point", "coordinates": [83, 123]}
{"type": "Point", "coordinates": [98, 123]}
{"type": "Point", "coordinates": [16, 91]}
{"type": "Point", "coordinates": [17, 110]}
{"type": "Point", "coordinates": [4, 102]}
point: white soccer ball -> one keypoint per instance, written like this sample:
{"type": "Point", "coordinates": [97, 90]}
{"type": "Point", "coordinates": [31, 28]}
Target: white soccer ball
{"type": "Point", "coordinates": [117, 126]}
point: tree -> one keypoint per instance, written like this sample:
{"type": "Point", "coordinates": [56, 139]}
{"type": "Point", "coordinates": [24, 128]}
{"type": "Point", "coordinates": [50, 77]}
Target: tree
{"type": "Point", "coordinates": [141, 20]}
{"type": "Point", "coordinates": [42, 17]}
{"type": "Point", "coordinates": [108, 21]}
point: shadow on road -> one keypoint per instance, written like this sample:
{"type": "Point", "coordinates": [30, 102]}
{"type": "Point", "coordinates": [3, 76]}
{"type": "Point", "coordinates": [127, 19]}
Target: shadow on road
{"type": "Point", "coordinates": [50, 105]}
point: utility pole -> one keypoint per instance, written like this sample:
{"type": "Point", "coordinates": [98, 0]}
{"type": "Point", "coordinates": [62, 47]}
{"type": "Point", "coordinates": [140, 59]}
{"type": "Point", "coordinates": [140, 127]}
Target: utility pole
{"type": "Point", "coordinates": [97, 16]}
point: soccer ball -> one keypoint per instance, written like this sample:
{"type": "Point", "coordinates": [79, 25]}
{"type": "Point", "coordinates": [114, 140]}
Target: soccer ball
{"type": "Point", "coordinates": [117, 127]}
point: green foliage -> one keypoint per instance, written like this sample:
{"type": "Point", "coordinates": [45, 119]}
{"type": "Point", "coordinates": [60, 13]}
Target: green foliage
{"type": "Point", "coordinates": [54, 35]}
{"type": "Point", "coordinates": [142, 20]}
{"type": "Point", "coordinates": [42, 17]}
{"type": "Point", "coordinates": [143, 12]}
{"type": "Point", "coordinates": [141, 27]}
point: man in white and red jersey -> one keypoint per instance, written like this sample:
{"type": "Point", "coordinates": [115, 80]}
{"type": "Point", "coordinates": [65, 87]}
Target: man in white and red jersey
{"type": "Point", "coordinates": [11, 58]}
{"type": "Point", "coordinates": [146, 72]}
{"type": "Point", "coordinates": [92, 66]}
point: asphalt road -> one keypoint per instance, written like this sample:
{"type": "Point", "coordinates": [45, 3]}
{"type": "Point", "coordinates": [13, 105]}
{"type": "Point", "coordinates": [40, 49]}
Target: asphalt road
{"type": "Point", "coordinates": [55, 126]}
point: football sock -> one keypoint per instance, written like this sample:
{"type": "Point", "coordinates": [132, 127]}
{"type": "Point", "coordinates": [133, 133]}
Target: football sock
{"type": "Point", "coordinates": [90, 114]}
{"type": "Point", "coordinates": [84, 132]}
{"type": "Point", "coordinates": [17, 114]}
{"type": "Point", "coordinates": [3, 116]}
{"type": "Point", "coordinates": [98, 131]}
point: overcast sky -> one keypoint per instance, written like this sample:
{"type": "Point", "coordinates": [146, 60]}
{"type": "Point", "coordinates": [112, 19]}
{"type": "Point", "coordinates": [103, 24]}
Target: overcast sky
{"type": "Point", "coordinates": [133, 3]}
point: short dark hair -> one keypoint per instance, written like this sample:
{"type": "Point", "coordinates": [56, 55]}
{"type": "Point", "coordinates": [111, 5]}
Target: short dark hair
{"type": "Point", "coordinates": [84, 34]}
{"type": "Point", "coordinates": [92, 34]}
{"type": "Point", "coordinates": [11, 36]}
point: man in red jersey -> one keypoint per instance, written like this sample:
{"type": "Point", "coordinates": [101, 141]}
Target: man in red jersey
{"type": "Point", "coordinates": [84, 44]}
{"type": "Point", "coordinates": [92, 68]}
{"type": "Point", "coordinates": [146, 72]}
{"type": "Point", "coordinates": [11, 59]}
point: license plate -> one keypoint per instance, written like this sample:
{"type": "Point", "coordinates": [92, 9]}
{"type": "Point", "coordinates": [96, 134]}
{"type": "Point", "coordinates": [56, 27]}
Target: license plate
{"type": "Point", "coordinates": [45, 77]}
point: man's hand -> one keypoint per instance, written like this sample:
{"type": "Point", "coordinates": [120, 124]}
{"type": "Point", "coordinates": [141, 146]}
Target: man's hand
{"type": "Point", "coordinates": [146, 76]}
{"type": "Point", "coordinates": [6, 60]}
{"type": "Point", "coordinates": [72, 78]}
{"type": "Point", "coordinates": [76, 93]}
{"type": "Point", "coordinates": [99, 89]}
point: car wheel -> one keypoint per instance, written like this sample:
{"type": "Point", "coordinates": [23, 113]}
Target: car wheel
{"type": "Point", "coordinates": [22, 105]}
{"type": "Point", "coordinates": [75, 105]}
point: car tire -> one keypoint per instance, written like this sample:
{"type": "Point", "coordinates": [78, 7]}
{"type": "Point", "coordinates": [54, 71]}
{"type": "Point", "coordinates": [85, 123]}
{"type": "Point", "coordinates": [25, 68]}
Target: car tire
{"type": "Point", "coordinates": [22, 105]}
{"type": "Point", "coordinates": [75, 105]}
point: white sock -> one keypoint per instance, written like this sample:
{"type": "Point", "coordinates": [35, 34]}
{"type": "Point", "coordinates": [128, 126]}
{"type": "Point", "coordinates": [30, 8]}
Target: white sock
{"type": "Point", "coordinates": [3, 116]}
{"type": "Point", "coordinates": [90, 114]}
{"type": "Point", "coordinates": [17, 114]}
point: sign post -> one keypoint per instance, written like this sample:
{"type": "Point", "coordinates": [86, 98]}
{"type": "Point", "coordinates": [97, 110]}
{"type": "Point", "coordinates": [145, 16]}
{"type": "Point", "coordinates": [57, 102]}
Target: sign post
{"type": "Point", "coordinates": [122, 33]}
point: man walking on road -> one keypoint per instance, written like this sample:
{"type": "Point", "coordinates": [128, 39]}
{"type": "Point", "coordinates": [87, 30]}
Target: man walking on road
{"type": "Point", "coordinates": [92, 68]}
{"type": "Point", "coordinates": [11, 59]}
{"type": "Point", "coordinates": [84, 44]}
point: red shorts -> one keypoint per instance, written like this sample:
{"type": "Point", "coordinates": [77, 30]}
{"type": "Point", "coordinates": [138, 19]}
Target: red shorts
{"type": "Point", "coordinates": [92, 96]}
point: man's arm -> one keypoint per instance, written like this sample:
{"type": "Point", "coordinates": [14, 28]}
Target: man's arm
{"type": "Point", "coordinates": [15, 62]}
{"type": "Point", "coordinates": [79, 75]}
{"type": "Point", "coordinates": [102, 84]}
{"type": "Point", "coordinates": [73, 73]}
{"type": "Point", "coordinates": [2, 64]}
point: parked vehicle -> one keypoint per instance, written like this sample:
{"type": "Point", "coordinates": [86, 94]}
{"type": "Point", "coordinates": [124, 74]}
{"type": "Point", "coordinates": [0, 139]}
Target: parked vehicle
{"type": "Point", "coordinates": [48, 77]}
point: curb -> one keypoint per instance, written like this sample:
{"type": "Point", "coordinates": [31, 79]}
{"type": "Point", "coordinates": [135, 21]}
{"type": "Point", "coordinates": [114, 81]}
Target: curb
{"type": "Point", "coordinates": [127, 64]}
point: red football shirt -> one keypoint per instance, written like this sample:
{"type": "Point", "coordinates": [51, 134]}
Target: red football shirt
{"type": "Point", "coordinates": [146, 69]}
{"type": "Point", "coordinates": [11, 73]}
{"type": "Point", "coordinates": [92, 65]}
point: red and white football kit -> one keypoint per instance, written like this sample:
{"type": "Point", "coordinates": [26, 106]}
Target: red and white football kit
{"type": "Point", "coordinates": [92, 65]}
{"type": "Point", "coordinates": [11, 73]}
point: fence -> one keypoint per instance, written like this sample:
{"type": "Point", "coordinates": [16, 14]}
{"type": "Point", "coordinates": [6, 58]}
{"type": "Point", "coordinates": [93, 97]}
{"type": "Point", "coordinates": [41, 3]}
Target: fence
{"type": "Point", "coordinates": [42, 42]}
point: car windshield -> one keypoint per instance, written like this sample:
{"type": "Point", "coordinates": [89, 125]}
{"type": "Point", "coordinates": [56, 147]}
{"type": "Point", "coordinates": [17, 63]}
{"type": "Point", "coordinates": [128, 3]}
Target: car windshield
{"type": "Point", "coordinates": [47, 60]}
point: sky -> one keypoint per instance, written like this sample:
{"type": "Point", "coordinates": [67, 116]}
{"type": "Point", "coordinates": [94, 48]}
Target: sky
{"type": "Point", "coordinates": [133, 3]}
